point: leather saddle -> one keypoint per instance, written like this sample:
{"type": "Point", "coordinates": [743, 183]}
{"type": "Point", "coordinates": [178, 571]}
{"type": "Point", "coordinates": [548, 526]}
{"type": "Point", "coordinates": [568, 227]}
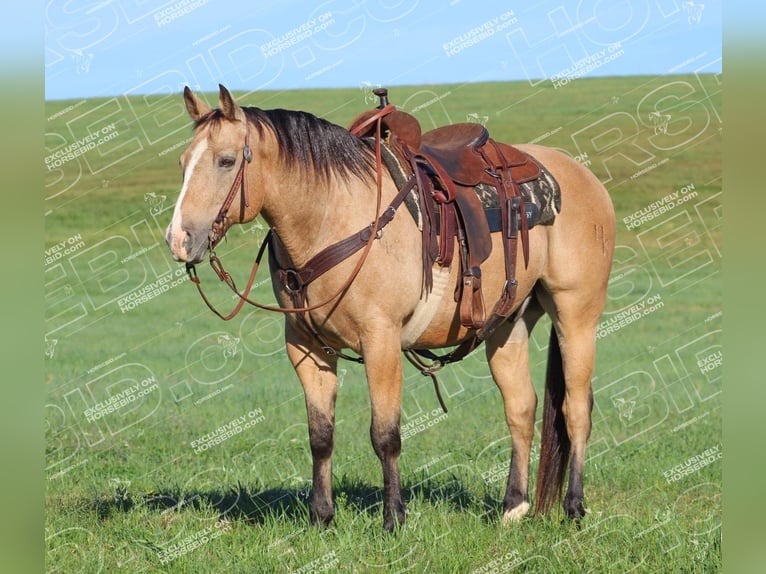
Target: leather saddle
{"type": "Point", "coordinates": [448, 163]}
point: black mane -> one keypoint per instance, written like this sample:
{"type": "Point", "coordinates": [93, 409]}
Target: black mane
{"type": "Point", "coordinates": [309, 143]}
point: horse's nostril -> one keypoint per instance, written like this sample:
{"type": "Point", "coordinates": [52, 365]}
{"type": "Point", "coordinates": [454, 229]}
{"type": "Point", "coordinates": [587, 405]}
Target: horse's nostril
{"type": "Point", "coordinates": [188, 242]}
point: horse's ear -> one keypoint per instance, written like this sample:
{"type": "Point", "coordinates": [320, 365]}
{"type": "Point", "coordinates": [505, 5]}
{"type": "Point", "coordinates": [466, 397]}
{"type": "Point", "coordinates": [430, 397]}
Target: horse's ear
{"type": "Point", "coordinates": [229, 107]}
{"type": "Point", "coordinates": [196, 107]}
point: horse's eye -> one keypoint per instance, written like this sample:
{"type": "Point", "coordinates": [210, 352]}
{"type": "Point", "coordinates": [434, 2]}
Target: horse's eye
{"type": "Point", "coordinates": [226, 162]}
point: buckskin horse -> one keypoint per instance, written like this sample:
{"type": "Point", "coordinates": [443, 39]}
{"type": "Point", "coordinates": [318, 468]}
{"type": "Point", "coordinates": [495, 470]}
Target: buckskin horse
{"type": "Point", "coordinates": [351, 271]}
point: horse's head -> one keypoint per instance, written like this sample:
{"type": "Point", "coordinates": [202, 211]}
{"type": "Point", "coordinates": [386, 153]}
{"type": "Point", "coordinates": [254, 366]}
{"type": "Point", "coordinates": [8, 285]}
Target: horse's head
{"type": "Point", "coordinates": [214, 191]}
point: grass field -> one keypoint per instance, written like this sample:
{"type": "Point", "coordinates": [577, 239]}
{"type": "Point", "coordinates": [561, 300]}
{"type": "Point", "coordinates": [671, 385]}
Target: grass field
{"type": "Point", "coordinates": [140, 375]}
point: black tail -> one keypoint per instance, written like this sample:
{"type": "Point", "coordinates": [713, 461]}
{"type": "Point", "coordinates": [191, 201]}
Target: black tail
{"type": "Point", "coordinates": [554, 441]}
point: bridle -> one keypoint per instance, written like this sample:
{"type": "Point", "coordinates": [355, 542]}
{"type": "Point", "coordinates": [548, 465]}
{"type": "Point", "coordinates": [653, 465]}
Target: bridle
{"type": "Point", "coordinates": [217, 231]}
{"type": "Point", "coordinates": [324, 260]}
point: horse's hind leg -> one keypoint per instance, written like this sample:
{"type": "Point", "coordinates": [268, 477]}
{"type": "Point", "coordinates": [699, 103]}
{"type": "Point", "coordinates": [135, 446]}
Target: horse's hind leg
{"type": "Point", "coordinates": [508, 356]}
{"type": "Point", "coordinates": [575, 319]}
{"type": "Point", "coordinates": [317, 373]}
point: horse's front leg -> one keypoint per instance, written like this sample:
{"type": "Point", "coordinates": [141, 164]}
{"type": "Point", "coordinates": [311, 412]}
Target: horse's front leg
{"type": "Point", "coordinates": [317, 372]}
{"type": "Point", "coordinates": [383, 364]}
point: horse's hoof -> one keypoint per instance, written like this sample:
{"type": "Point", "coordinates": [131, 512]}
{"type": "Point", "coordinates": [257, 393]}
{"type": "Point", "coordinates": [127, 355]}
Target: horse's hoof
{"type": "Point", "coordinates": [574, 509]}
{"type": "Point", "coordinates": [515, 514]}
{"type": "Point", "coordinates": [395, 519]}
{"type": "Point", "coordinates": [322, 518]}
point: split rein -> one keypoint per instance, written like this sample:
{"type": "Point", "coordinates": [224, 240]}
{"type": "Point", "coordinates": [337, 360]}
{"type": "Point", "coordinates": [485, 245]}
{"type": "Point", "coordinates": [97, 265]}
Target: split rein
{"type": "Point", "coordinates": [295, 281]}
{"type": "Point", "coordinates": [239, 186]}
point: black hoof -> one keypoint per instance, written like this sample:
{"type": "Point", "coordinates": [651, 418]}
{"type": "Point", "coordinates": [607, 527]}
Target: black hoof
{"type": "Point", "coordinates": [394, 519]}
{"type": "Point", "coordinates": [574, 508]}
{"type": "Point", "coordinates": [322, 516]}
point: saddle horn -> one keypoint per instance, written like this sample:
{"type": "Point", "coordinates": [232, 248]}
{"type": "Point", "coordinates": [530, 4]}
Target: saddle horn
{"type": "Point", "coordinates": [382, 93]}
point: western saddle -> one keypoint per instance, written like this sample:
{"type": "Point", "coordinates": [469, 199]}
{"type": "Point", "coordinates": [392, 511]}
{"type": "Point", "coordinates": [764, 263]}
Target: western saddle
{"type": "Point", "coordinates": [447, 164]}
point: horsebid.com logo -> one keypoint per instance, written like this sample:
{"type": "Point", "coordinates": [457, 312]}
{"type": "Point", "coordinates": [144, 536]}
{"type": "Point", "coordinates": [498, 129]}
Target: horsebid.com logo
{"type": "Point", "coordinates": [83, 145]}
{"type": "Point", "coordinates": [119, 400]}
{"type": "Point", "coordinates": [693, 464]}
{"type": "Point", "coordinates": [146, 293]}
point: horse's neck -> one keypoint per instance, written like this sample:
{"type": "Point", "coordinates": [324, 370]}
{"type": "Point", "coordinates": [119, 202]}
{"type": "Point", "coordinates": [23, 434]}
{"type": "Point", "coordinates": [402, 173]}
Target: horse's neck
{"type": "Point", "coordinates": [308, 216]}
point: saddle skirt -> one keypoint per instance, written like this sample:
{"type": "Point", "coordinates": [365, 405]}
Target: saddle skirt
{"type": "Point", "coordinates": [542, 196]}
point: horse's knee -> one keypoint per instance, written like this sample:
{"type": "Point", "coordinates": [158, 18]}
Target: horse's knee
{"type": "Point", "coordinates": [386, 440]}
{"type": "Point", "coordinates": [321, 434]}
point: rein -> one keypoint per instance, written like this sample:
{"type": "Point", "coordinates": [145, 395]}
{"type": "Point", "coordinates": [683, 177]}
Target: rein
{"type": "Point", "coordinates": [296, 281]}
{"type": "Point", "coordinates": [323, 261]}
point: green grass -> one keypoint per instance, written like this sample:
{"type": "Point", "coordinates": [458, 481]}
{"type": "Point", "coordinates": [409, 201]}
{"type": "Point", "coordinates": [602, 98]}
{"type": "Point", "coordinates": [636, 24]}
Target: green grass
{"type": "Point", "coordinates": [127, 490]}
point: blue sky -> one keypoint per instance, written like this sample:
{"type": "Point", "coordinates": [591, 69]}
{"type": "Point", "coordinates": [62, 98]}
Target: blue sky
{"type": "Point", "coordinates": [142, 46]}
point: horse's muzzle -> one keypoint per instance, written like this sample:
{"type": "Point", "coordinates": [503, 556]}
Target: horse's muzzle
{"type": "Point", "coordinates": [186, 246]}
